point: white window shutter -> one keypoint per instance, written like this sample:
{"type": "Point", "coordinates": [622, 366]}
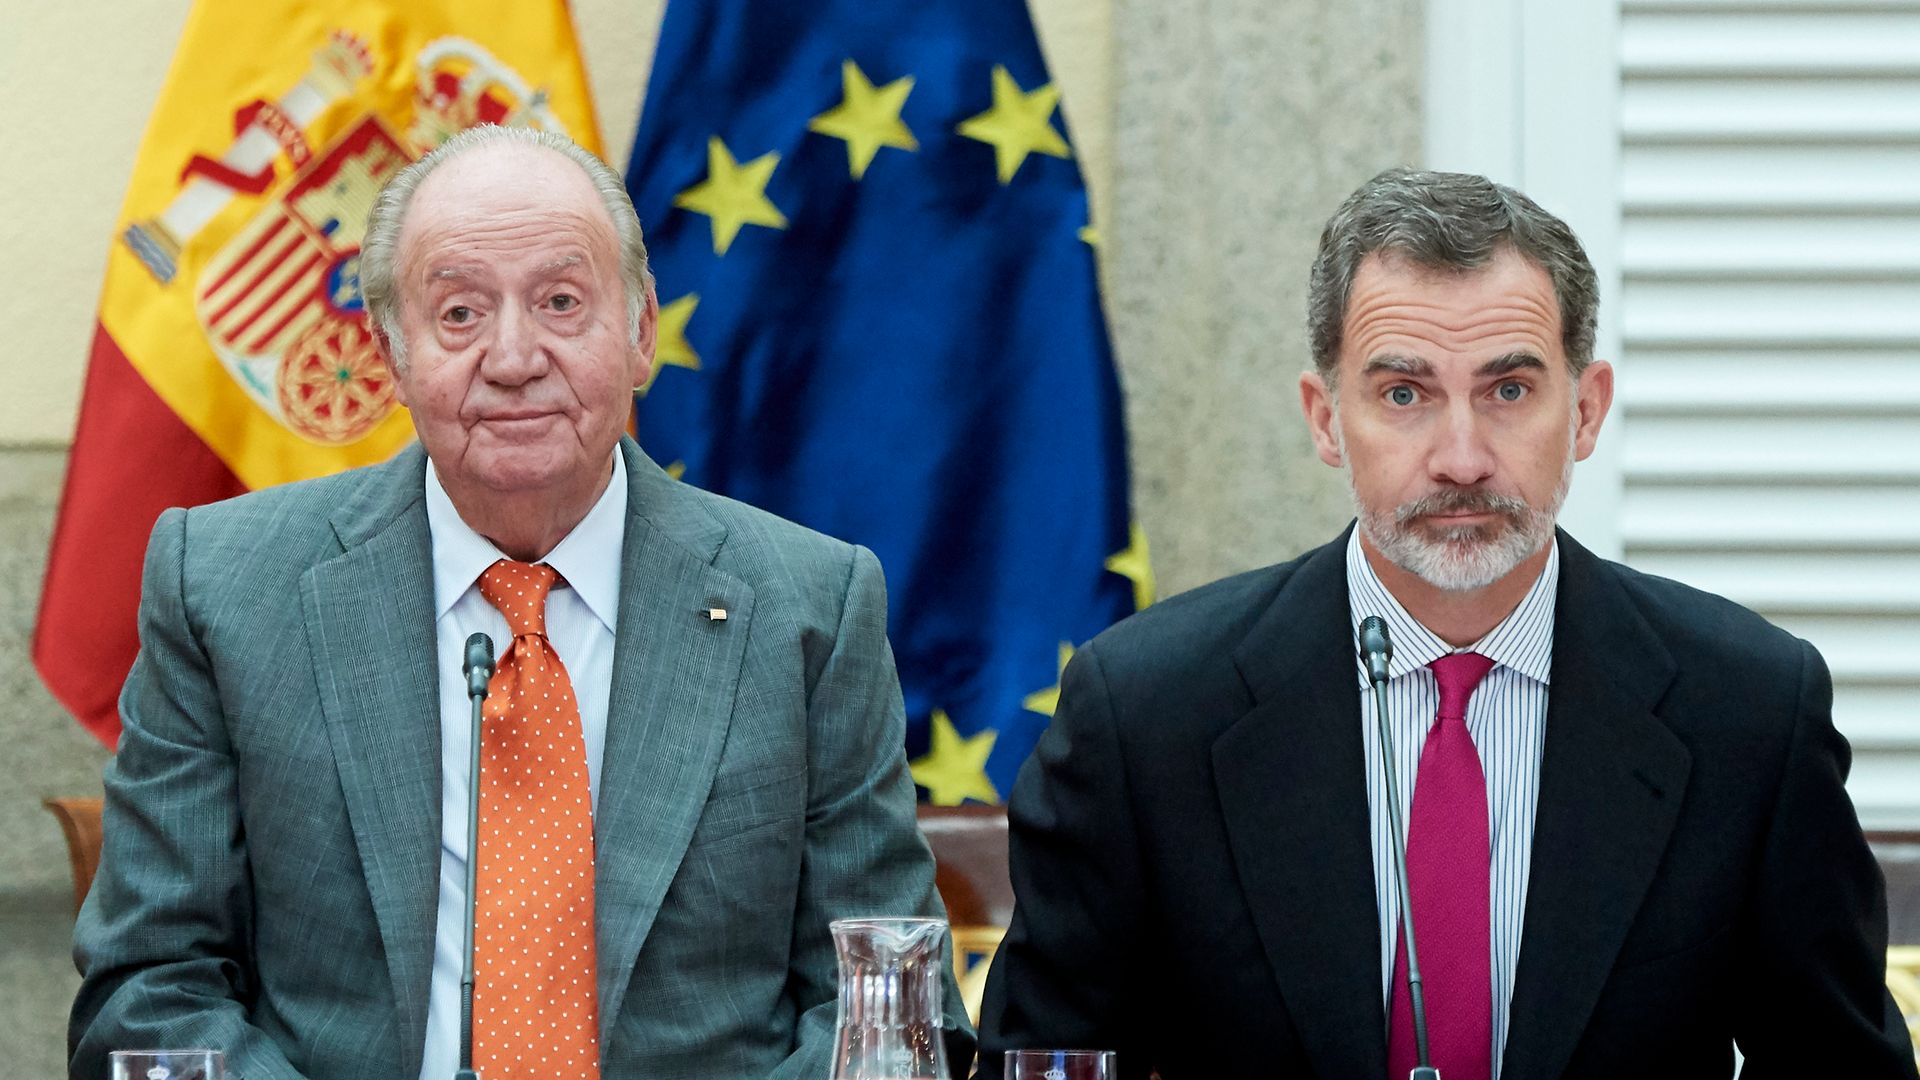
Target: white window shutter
{"type": "Point", "coordinates": [1770, 332]}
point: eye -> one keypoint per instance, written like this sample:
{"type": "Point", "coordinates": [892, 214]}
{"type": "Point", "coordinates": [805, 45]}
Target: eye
{"type": "Point", "coordinates": [1511, 391]}
{"type": "Point", "coordinates": [563, 302]}
{"type": "Point", "coordinates": [458, 314]}
{"type": "Point", "coordinates": [1401, 395]}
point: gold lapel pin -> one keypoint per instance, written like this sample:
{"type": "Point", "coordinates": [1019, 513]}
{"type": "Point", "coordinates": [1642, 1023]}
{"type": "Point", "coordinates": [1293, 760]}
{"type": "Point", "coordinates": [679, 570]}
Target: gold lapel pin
{"type": "Point", "coordinates": [715, 614]}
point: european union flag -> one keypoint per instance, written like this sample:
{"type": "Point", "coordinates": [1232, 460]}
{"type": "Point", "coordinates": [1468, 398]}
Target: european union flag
{"type": "Point", "coordinates": [879, 318]}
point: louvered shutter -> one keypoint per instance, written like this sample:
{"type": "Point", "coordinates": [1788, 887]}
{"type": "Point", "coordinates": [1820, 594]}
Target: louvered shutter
{"type": "Point", "coordinates": [1770, 330]}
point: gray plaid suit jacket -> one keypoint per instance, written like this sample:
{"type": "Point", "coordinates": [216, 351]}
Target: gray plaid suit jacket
{"type": "Point", "coordinates": [270, 875]}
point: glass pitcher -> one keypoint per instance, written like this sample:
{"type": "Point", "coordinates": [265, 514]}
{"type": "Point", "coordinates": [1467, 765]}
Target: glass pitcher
{"type": "Point", "coordinates": [891, 972]}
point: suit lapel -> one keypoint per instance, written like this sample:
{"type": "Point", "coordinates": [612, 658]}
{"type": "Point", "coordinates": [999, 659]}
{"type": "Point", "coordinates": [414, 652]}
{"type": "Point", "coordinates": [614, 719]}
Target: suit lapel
{"type": "Point", "coordinates": [1292, 788]}
{"type": "Point", "coordinates": [369, 620]}
{"type": "Point", "coordinates": [675, 675]}
{"type": "Point", "coordinates": [1612, 778]}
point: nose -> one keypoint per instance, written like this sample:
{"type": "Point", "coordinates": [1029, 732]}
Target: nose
{"type": "Point", "coordinates": [1461, 454]}
{"type": "Point", "coordinates": [515, 354]}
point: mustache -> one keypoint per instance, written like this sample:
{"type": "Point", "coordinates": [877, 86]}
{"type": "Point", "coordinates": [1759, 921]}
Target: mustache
{"type": "Point", "coordinates": [1469, 500]}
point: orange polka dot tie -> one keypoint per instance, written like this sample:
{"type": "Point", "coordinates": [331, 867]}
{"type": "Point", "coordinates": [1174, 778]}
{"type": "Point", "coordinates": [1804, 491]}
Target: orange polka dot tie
{"type": "Point", "coordinates": [534, 999]}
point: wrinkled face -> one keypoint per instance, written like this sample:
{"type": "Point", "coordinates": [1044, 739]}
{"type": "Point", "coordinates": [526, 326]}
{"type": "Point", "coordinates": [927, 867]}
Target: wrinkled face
{"type": "Point", "coordinates": [519, 368]}
{"type": "Point", "coordinates": [1456, 418]}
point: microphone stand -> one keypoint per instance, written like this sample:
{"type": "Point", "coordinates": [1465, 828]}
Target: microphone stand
{"type": "Point", "coordinates": [479, 671]}
{"type": "Point", "coordinates": [1377, 650]}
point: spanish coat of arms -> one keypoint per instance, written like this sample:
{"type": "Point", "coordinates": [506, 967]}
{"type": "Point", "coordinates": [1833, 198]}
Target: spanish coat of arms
{"type": "Point", "coordinates": [280, 300]}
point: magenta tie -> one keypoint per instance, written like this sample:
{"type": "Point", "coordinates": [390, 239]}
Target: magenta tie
{"type": "Point", "coordinates": [1449, 862]}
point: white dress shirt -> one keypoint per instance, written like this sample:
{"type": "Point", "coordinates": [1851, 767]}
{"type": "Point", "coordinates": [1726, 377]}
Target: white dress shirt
{"type": "Point", "coordinates": [1506, 718]}
{"type": "Point", "coordinates": [581, 614]}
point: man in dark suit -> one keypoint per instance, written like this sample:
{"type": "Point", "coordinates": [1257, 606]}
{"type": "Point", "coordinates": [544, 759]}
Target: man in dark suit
{"type": "Point", "coordinates": [693, 758]}
{"type": "Point", "coordinates": [1629, 845]}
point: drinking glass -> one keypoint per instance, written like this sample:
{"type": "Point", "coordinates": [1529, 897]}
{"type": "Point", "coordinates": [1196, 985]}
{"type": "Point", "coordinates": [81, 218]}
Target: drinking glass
{"type": "Point", "coordinates": [168, 1065]}
{"type": "Point", "coordinates": [1060, 1065]}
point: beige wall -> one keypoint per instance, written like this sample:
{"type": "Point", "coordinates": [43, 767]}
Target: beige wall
{"type": "Point", "coordinates": [78, 79]}
{"type": "Point", "coordinates": [1215, 134]}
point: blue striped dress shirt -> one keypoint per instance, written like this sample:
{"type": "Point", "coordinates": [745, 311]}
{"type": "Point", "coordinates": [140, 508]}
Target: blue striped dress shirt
{"type": "Point", "coordinates": [1507, 719]}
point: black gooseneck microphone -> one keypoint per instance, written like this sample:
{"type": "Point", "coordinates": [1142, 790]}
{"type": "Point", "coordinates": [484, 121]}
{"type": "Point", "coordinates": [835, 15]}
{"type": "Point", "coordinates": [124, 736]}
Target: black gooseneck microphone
{"type": "Point", "coordinates": [478, 668]}
{"type": "Point", "coordinates": [1377, 649]}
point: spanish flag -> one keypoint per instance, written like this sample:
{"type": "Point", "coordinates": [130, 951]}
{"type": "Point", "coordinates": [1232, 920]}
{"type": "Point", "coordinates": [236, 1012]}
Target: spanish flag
{"type": "Point", "coordinates": [233, 350]}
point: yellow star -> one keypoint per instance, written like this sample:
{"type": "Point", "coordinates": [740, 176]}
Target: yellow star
{"type": "Point", "coordinates": [1134, 565]}
{"type": "Point", "coordinates": [1045, 701]}
{"type": "Point", "coordinates": [733, 194]}
{"type": "Point", "coordinates": [867, 118]}
{"type": "Point", "coordinates": [677, 470]}
{"type": "Point", "coordinates": [955, 768]}
{"type": "Point", "coordinates": [672, 349]}
{"type": "Point", "coordinates": [1089, 236]}
{"type": "Point", "coordinates": [1018, 124]}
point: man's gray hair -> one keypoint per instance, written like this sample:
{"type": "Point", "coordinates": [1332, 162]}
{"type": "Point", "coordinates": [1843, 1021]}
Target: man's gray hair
{"type": "Point", "coordinates": [1450, 222]}
{"type": "Point", "coordinates": [379, 251]}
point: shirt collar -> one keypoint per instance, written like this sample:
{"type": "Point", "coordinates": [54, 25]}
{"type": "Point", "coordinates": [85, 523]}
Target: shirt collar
{"type": "Point", "coordinates": [1523, 641]}
{"type": "Point", "coordinates": [587, 557]}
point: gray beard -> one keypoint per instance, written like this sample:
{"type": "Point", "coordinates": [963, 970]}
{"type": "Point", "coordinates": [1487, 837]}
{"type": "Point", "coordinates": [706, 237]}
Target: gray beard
{"type": "Point", "coordinates": [1461, 558]}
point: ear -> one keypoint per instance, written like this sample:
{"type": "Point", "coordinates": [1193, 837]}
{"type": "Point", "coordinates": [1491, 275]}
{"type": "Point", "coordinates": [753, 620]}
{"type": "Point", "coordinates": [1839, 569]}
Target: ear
{"type": "Point", "coordinates": [1317, 404]}
{"type": "Point", "coordinates": [1596, 398]}
{"type": "Point", "coordinates": [643, 353]}
{"type": "Point", "coordinates": [383, 347]}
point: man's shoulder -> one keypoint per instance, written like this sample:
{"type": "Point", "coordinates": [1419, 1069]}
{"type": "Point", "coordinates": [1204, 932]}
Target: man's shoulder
{"type": "Point", "coordinates": [754, 531]}
{"type": "Point", "coordinates": [1736, 687]}
{"type": "Point", "coordinates": [1193, 636]}
{"type": "Point", "coordinates": [1698, 626]}
{"type": "Point", "coordinates": [777, 557]}
{"type": "Point", "coordinates": [309, 503]}
{"type": "Point", "coordinates": [1202, 616]}
{"type": "Point", "coordinates": [290, 526]}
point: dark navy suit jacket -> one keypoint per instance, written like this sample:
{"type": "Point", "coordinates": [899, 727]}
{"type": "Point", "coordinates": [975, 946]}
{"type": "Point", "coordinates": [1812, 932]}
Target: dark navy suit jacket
{"type": "Point", "coordinates": [1193, 872]}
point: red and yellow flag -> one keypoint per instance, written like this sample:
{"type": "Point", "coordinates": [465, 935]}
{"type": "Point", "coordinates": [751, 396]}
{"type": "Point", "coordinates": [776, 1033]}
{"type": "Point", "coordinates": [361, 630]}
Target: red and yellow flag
{"type": "Point", "coordinates": [233, 350]}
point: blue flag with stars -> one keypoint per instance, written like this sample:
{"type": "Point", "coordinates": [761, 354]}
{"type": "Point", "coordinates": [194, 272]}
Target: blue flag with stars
{"type": "Point", "coordinates": [879, 318]}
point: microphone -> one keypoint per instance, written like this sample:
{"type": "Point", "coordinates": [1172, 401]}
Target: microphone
{"type": "Point", "coordinates": [478, 668]}
{"type": "Point", "coordinates": [479, 665]}
{"type": "Point", "coordinates": [1376, 648]}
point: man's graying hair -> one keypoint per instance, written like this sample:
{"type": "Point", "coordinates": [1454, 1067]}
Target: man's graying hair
{"type": "Point", "coordinates": [380, 249]}
{"type": "Point", "coordinates": [1449, 222]}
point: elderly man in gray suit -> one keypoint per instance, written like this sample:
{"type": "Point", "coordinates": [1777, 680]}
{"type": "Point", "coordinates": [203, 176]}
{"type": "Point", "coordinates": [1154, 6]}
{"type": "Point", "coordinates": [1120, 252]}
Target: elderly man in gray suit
{"type": "Point", "coordinates": [693, 757]}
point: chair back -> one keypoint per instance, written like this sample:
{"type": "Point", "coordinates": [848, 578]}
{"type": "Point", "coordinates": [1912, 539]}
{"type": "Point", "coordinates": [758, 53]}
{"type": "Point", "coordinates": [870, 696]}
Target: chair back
{"type": "Point", "coordinates": [80, 820]}
{"type": "Point", "coordinates": [970, 869]}
{"type": "Point", "coordinates": [970, 862]}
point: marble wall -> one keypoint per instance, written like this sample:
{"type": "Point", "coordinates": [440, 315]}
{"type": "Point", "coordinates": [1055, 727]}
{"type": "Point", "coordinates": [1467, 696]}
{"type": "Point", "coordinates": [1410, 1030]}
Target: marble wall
{"type": "Point", "coordinates": [1238, 126]}
{"type": "Point", "coordinates": [1216, 136]}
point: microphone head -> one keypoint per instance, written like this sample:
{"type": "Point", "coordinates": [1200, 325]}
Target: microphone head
{"type": "Point", "coordinates": [1376, 648]}
{"type": "Point", "coordinates": [479, 664]}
